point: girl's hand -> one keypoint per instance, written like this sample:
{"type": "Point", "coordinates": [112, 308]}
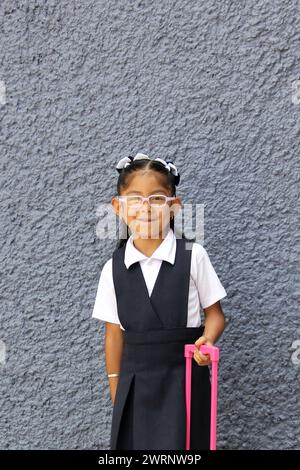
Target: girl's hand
{"type": "Point", "coordinates": [202, 359]}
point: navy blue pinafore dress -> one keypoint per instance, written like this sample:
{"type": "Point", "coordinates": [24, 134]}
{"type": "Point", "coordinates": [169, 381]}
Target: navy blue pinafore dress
{"type": "Point", "coordinates": [149, 411]}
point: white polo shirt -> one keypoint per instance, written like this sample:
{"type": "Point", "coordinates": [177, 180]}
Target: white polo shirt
{"type": "Point", "coordinates": [205, 286]}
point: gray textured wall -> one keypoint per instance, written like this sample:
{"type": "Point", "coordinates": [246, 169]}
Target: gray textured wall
{"type": "Point", "coordinates": [213, 85]}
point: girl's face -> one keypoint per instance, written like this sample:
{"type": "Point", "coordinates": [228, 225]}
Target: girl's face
{"type": "Point", "coordinates": [147, 221]}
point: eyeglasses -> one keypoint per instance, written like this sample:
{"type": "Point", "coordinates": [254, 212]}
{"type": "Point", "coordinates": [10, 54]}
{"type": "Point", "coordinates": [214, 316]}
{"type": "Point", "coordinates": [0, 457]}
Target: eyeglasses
{"type": "Point", "coordinates": [154, 200]}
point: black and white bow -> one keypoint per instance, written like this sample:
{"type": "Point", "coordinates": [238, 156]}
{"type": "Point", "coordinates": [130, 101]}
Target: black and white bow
{"type": "Point", "coordinates": [169, 165]}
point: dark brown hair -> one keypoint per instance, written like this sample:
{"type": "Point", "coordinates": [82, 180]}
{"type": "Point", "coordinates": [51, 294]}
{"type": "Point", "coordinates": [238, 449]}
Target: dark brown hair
{"type": "Point", "coordinates": [169, 181]}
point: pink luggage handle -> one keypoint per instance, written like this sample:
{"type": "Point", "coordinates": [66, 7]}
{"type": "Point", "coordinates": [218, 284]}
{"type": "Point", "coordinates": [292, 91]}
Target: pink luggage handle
{"type": "Point", "coordinates": [213, 352]}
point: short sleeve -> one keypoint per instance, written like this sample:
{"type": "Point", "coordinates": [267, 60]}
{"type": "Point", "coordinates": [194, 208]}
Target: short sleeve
{"type": "Point", "coordinates": [209, 286]}
{"type": "Point", "coordinates": [105, 307]}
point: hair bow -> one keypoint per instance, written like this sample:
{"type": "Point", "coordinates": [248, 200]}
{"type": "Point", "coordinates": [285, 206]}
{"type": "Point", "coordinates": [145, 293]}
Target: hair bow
{"type": "Point", "coordinates": [168, 164]}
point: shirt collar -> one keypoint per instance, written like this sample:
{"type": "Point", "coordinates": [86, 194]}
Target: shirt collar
{"type": "Point", "coordinates": [165, 251]}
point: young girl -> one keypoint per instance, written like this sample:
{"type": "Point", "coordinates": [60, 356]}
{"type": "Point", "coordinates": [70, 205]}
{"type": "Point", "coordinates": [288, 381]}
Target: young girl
{"type": "Point", "coordinates": [149, 296]}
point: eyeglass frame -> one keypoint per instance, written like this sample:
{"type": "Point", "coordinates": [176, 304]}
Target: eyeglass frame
{"type": "Point", "coordinates": [142, 198]}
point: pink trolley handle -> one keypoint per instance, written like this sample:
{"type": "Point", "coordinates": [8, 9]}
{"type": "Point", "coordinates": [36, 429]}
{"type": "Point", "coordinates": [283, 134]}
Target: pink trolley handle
{"type": "Point", "coordinates": [213, 352]}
